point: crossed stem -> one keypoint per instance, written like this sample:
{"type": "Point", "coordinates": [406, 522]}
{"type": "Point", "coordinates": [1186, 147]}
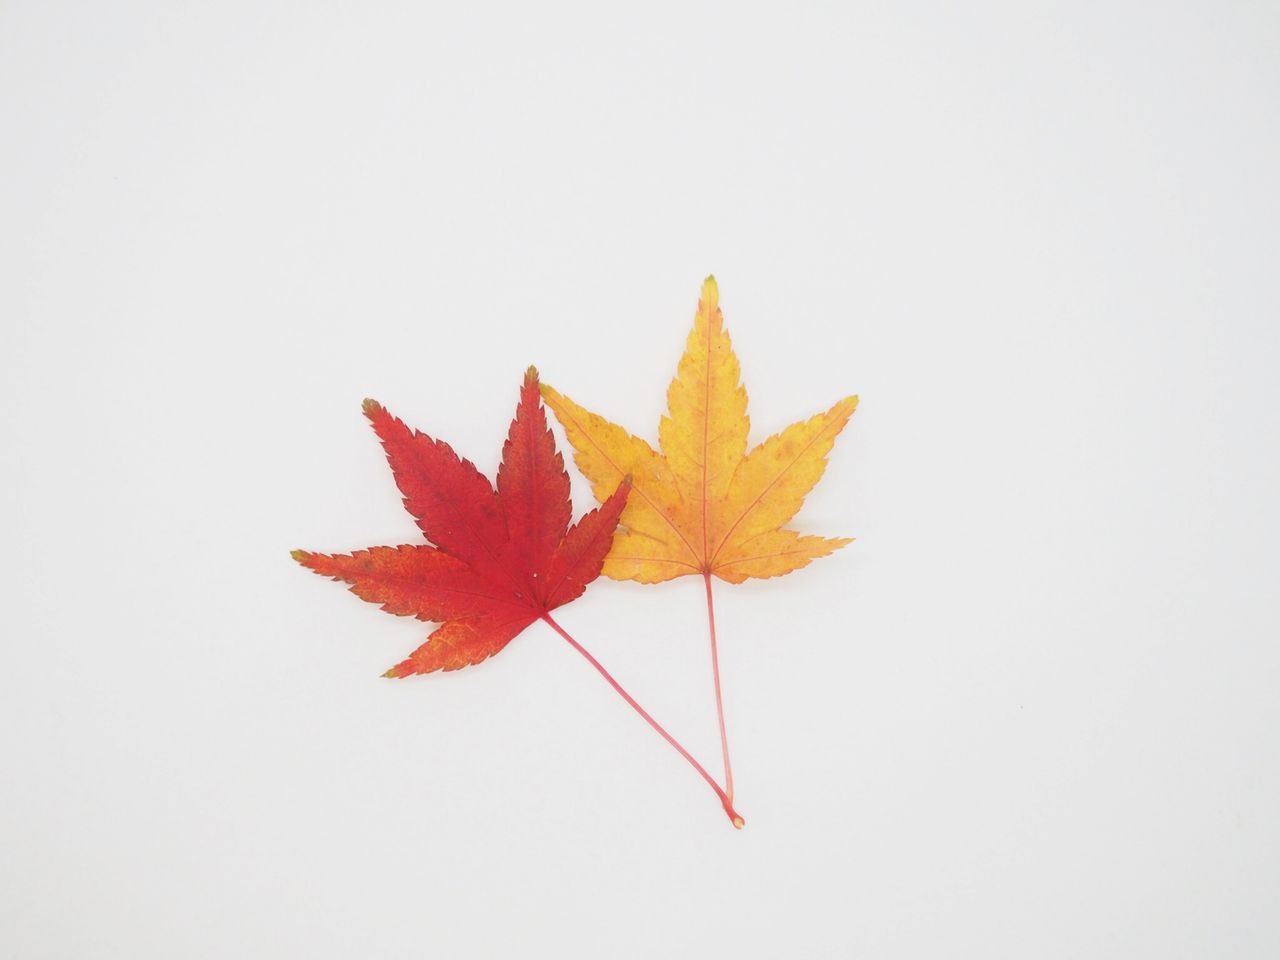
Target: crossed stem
{"type": "Point", "coordinates": [726, 798]}
{"type": "Point", "coordinates": [715, 673]}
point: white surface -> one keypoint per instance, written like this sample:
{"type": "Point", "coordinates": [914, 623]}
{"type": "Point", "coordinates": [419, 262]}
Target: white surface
{"type": "Point", "coordinates": [1031, 712]}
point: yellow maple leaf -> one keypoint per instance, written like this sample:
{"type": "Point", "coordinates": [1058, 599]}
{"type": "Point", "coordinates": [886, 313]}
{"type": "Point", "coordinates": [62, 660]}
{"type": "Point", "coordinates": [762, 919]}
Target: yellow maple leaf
{"type": "Point", "coordinates": [705, 505]}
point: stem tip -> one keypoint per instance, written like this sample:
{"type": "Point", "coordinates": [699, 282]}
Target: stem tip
{"type": "Point", "coordinates": [734, 817]}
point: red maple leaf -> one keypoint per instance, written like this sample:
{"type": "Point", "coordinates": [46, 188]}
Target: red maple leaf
{"type": "Point", "coordinates": [502, 559]}
{"type": "Point", "coordinates": [498, 559]}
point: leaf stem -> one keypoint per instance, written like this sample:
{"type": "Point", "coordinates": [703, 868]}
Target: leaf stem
{"type": "Point", "coordinates": [715, 673]}
{"type": "Point", "coordinates": [725, 800]}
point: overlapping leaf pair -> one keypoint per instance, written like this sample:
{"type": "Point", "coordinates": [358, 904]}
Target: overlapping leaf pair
{"type": "Point", "coordinates": [505, 557]}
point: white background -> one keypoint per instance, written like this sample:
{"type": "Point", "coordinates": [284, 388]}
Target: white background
{"type": "Point", "coordinates": [1030, 712]}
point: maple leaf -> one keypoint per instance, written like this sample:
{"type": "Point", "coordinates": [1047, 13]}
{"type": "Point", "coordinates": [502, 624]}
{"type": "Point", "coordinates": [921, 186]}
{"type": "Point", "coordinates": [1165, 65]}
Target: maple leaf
{"type": "Point", "coordinates": [705, 504]}
{"type": "Point", "coordinates": [502, 558]}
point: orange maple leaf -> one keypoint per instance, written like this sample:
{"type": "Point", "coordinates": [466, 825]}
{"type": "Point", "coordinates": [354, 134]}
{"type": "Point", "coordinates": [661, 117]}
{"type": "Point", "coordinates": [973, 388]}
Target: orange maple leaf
{"type": "Point", "coordinates": [705, 504]}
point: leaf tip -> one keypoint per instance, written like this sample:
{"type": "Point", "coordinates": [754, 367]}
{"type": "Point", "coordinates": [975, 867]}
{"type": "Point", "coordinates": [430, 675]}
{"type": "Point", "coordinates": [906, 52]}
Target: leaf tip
{"type": "Point", "coordinates": [710, 290]}
{"type": "Point", "coordinates": [300, 555]}
{"type": "Point", "coordinates": [531, 373]}
{"type": "Point", "coordinates": [371, 408]}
